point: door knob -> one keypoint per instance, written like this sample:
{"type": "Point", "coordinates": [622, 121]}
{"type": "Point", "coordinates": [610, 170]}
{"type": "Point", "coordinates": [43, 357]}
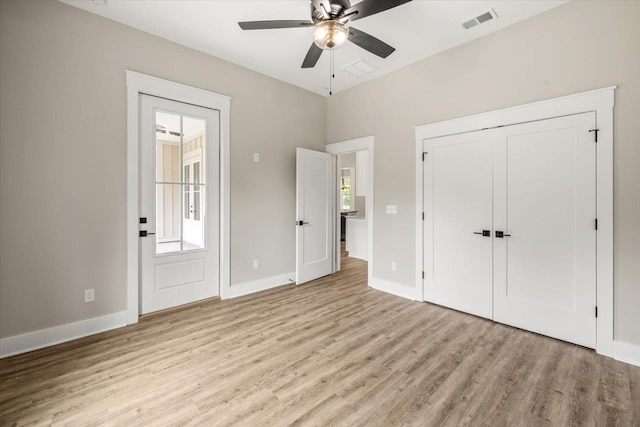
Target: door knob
{"type": "Point", "coordinates": [501, 234]}
{"type": "Point", "coordinates": [301, 223]}
{"type": "Point", "coordinates": [484, 233]}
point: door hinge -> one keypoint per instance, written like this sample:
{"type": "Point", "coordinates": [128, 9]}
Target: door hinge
{"type": "Point", "coordinates": [424, 154]}
{"type": "Point", "coordinates": [596, 223]}
{"type": "Point", "coordinates": [596, 311]}
{"type": "Point", "coordinates": [595, 131]}
{"type": "Point", "coordinates": [423, 216]}
{"type": "Point", "coordinates": [423, 274]}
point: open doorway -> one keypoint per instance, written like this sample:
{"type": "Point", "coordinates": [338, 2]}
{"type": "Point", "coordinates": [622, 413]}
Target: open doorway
{"type": "Point", "coordinates": [352, 188]}
{"type": "Point", "coordinates": [354, 200]}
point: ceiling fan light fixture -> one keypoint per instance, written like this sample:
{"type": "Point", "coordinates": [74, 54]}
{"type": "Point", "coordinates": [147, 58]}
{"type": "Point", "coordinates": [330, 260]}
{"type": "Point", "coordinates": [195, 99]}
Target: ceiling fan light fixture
{"type": "Point", "coordinates": [330, 34]}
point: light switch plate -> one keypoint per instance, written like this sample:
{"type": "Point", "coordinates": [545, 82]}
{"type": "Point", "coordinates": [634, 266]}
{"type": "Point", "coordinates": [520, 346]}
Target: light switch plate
{"type": "Point", "coordinates": [392, 209]}
{"type": "Point", "coordinates": [256, 157]}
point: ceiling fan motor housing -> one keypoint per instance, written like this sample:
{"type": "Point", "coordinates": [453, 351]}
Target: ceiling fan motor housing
{"type": "Point", "coordinates": [337, 7]}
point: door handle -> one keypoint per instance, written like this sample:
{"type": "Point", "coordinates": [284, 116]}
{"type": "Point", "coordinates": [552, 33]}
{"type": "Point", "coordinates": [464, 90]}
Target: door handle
{"type": "Point", "coordinates": [144, 233]}
{"type": "Point", "coordinates": [484, 233]}
{"type": "Point", "coordinates": [301, 223]}
{"type": "Point", "coordinates": [501, 234]}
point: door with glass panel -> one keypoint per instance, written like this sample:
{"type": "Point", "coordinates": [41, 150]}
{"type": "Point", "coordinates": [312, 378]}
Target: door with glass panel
{"type": "Point", "coordinates": [179, 203]}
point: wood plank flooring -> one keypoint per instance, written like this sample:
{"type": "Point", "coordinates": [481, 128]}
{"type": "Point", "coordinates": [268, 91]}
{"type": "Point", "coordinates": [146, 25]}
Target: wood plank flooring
{"type": "Point", "coordinates": [330, 352]}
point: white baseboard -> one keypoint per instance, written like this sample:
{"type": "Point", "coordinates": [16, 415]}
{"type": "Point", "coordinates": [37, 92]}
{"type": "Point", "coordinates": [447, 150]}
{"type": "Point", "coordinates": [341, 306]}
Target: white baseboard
{"type": "Point", "coordinates": [626, 352]}
{"type": "Point", "coordinates": [359, 256]}
{"type": "Point", "coordinates": [247, 288]}
{"type": "Point", "coordinates": [35, 340]}
{"type": "Point", "coordinates": [397, 289]}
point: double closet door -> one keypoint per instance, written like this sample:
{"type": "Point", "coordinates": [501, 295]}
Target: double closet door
{"type": "Point", "coordinates": [509, 228]}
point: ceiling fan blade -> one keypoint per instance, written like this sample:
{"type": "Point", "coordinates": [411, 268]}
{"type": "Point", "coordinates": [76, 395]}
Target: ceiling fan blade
{"type": "Point", "coordinates": [371, 7]}
{"type": "Point", "coordinates": [370, 43]}
{"type": "Point", "coordinates": [268, 25]}
{"type": "Point", "coordinates": [312, 56]}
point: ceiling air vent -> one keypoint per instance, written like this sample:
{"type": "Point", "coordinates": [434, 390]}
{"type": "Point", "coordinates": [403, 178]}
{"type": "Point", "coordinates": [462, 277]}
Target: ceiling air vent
{"type": "Point", "coordinates": [469, 24]}
{"type": "Point", "coordinates": [480, 19]}
{"type": "Point", "coordinates": [359, 68]}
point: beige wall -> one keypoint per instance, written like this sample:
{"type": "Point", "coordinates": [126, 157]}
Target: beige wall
{"type": "Point", "coordinates": [63, 159]}
{"type": "Point", "coordinates": [576, 47]}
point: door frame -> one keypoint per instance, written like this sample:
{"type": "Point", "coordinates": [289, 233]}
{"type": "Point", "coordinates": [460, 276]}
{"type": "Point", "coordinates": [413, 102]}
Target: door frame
{"type": "Point", "coordinates": [142, 84]}
{"type": "Point", "coordinates": [359, 144]}
{"type": "Point", "coordinates": [600, 101]}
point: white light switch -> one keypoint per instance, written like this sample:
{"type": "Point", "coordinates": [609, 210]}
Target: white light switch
{"type": "Point", "coordinates": [392, 209]}
{"type": "Point", "coordinates": [256, 157]}
{"type": "Point", "coordinates": [394, 266]}
{"type": "Point", "coordinates": [256, 264]}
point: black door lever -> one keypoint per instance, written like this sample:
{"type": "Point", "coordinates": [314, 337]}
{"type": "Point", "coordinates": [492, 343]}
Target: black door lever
{"type": "Point", "coordinates": [501, 234]}
{"type": "Point", "coordinates": [484, 233]}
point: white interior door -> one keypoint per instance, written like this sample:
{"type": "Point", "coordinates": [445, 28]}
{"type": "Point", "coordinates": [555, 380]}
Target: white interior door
{"type": "Point", "coordinates": [179, 203]}
{"type": "Point", "coordinates": [315, 192]}
{"type": "Point", "coordinates": [545, 203]}
{"type": "Point", "coordinates": [457, 225]}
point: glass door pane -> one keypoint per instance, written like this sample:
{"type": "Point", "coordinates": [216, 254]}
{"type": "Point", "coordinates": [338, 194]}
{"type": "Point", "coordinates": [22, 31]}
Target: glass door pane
{"type": "Point", "coordinates": [168, 222]}
{"type": "Point", "coordinates": [168, 182]}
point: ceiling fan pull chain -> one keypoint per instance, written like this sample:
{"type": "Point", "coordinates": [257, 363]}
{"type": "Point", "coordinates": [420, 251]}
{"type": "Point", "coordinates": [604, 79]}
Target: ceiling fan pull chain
{"type": "Point", "coordinates": [330, 72]}
{"type": "Point", "coordinates": [333, 64]}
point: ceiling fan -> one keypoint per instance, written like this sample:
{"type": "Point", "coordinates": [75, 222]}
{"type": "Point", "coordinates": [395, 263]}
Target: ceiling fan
{"type": "Point", "coordinates": [330, 21]}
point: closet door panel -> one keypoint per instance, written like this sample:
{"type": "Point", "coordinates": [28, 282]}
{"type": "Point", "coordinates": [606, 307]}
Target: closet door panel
{"type": "Point", "coordinates": [544, 202]}
{"type": "Point", "coordinates": [458, 187]}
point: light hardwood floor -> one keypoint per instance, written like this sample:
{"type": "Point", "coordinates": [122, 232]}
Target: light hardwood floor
{"type": "Point", "coordinates": [330, 352]}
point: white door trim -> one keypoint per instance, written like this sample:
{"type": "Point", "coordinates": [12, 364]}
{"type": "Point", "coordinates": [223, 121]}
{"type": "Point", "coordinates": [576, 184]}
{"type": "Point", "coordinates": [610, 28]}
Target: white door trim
{"type": "Point", "coordinates": [601, 101]}
{"type": "Point", "coordinates": [137, 84]}
{"type": "Point", "coordinates": [359, 144]}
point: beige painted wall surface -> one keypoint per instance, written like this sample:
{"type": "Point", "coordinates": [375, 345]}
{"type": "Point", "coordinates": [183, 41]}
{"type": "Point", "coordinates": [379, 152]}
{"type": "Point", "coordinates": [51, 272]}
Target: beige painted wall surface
{"type": "Point", "coordinates": [574, 48]}
{"type": "Point", "coordinates": [63, 159]}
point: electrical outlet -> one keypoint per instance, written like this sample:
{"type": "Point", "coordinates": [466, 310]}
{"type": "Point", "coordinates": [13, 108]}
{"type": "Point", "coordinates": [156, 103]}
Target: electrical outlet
{"type": "Point", "coordinates": [89, 295]}
{"type": "Point", "coordinates": [256, 157]}
{"type": "Point", "coordinates": [256, 264]}
{"type": "Point", "coordinates": [394, 266]}
{"type": "Point", "coordinates": [392, 209]}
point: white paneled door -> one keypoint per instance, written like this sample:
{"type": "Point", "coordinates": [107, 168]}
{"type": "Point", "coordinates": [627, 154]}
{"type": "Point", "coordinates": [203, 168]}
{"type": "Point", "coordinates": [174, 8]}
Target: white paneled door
{"type": "Point", "coordinates": [545, 206]}
{"type": "Point", "coordinates": [509, 230]}
{"type": "Point", "coordinates": [458, 249]}
{"type": "Point", "coordinates": [179, 203]}
{"type": "Point", "coordinates": [314, 214]}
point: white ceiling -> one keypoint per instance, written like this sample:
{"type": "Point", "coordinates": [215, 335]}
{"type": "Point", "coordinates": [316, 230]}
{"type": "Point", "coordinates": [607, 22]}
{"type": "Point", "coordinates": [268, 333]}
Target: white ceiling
{"type": "Point", "coordinates": [417, 30]}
